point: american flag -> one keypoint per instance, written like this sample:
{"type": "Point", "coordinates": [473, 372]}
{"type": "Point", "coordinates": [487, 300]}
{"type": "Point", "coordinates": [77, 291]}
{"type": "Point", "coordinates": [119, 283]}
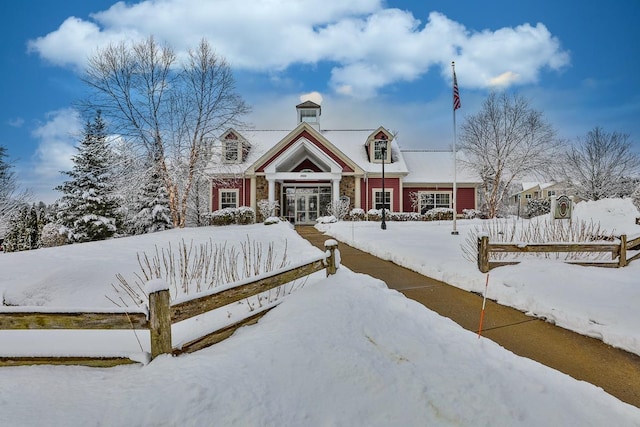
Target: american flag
{"type": "Point", "coordinates": [456, 94]}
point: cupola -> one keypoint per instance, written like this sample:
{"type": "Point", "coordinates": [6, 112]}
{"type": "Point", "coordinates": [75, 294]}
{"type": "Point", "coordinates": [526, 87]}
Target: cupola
{"type": "Point", "coordinates": [309, 112]}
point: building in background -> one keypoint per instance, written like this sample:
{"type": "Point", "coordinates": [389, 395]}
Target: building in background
{"type": "Point", "coordinates": [308, 168]}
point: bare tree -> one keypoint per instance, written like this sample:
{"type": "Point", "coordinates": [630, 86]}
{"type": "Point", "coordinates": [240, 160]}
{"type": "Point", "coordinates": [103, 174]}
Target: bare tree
{"type": "Point", "coordinates": [601, 165]}
{"type": "Point", "coordinates": [11, 199]}
{"type": "Point", "coordinates": [505, 141]}
{"type": "Point", "coordinates": [169, 110]}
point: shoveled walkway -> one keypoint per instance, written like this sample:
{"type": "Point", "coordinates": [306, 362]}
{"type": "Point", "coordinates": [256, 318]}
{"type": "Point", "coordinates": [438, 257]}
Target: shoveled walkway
{"type": "Point", "coordinates": [584, 358]}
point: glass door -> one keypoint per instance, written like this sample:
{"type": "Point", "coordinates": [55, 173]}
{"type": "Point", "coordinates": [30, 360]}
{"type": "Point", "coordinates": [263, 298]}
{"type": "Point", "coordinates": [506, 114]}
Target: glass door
{"type": "Point", "coordinates": [306, 208]}
{"type": "Point", "coordinates": [303, 205]}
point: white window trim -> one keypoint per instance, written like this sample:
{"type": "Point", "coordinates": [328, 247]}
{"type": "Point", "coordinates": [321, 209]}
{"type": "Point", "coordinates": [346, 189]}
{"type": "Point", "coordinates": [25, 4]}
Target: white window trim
{"type": "Point", "coordinates": [228, 190]}
{"type": "Point", "coordinates": [373, 151]}
{"type": "Point", "coordinates": [225, 146]}
{"type": "Point", "coordinates": [374, 191]}
{"type": "Point", "coordinates": [420, 193]}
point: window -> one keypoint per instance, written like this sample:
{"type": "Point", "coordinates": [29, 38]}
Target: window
{"type": "Point", "coordinates": [378, 202]}
{"type": "Point", "coordinates": [527, 196]}
{"type": "Point", "coordinates": [228, 199]}
{"type": "Point", "coordinates": [551, 193]}
{"type": "Point", "coordinates": [308, 115]}
{"type": "Point", "coordinates": [432, 199]}
{"type": "Point", "coordinates": [231, 151]}
{"type": "Point", "coordinates": [380, 145]}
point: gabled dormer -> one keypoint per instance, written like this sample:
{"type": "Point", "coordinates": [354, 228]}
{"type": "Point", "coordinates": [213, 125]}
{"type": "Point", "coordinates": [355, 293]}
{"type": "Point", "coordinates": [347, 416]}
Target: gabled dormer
{"type": "Point", "coordinates": [309, 112]}
{"type": "Point", "coordinates": [378, 146]}
{"type": "Point", "coordinates": [234, 147]}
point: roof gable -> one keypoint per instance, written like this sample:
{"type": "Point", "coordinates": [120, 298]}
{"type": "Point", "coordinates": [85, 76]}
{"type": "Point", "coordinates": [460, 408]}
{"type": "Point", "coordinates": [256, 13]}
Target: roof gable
{"type": "Point", "coordinates": [305, 132]}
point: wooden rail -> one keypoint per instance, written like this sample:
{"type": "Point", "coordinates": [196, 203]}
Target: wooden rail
{"type": "Point", "coordinates": [617, 250]}
{"type": "Point", "coordinates": [160, 317]}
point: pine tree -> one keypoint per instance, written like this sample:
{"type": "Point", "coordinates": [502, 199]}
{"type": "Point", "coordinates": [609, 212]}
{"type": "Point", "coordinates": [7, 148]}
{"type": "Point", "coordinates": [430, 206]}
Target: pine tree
{"type": "Point", "coordinates": [16, 236]}
{"type": "Point", "coordinates": [32, 231]}
{"type": "Point", "coordinates": [88, 208]}
{"type": "Point", "coordinates": [152, 210]}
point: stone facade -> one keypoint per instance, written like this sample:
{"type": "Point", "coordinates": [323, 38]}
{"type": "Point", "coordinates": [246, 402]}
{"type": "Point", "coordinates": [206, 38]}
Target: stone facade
{"type": "Point", "coordinates": [348, 188]}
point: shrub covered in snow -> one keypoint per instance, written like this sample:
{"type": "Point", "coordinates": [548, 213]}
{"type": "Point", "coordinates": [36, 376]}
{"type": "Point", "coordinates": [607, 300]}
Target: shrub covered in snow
{"type": "Point", "coordinates": [338, 209]}
{"type": "Point", "coordinates": [404, 216]}
{"type": "Point", "coordinates": [473, 213]}
{"type": "Point", "coordinates": [376, 214]}
{"type": "Point", "coordinates": [326, 219]}
{"type": "Point", "coordinates": [53, 235]}
{"type": "Point", "coordinates": [267, 209]}
{"type": "Point", "coordinates": [438, 214]}
{"type": "Point", "coordinates": [230, 216]}
{"type": "Point", "coordinates": [537, 207]}
{"type": "Point", "coordinates": [245, 215]}
{"type": "Point", "coordinates": [271, 220]}
{"type": "Point", "coordinates": [357, 214]}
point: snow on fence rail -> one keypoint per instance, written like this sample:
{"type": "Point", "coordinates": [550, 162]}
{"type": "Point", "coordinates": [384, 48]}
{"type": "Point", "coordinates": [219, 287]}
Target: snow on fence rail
{"type": "Point", "coordinates": [159, 318]}
{"type": "Point", "coordinates": [618, 250]}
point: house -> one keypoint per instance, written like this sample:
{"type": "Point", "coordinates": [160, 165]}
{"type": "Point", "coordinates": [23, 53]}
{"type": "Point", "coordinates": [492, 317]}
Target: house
{"type": "Point", "coordinates": [308, 168]}
{"type": "Point", "coordinates": [538, 191]}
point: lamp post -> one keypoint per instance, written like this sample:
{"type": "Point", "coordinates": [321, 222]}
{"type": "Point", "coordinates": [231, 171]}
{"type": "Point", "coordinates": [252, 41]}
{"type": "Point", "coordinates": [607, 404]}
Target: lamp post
{"type": "Point", "coordinates": [383, 151]}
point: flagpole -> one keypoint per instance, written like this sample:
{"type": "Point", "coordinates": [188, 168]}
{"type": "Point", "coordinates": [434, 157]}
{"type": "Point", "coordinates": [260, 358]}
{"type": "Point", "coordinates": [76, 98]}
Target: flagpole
{"type": "Point", "coordinates": [455, 107]}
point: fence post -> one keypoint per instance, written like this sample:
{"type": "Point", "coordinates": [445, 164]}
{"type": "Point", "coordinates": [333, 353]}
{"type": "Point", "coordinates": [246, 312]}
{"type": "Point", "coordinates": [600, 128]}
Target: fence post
{"type": "Point", "coordinates": [622, 260]}
{"type": "Point", "coordinates": [483, 253]}
{"type": "Point", "coordinates": [159, 317]}
{"type": "Point", "coordinates": [332, 261]}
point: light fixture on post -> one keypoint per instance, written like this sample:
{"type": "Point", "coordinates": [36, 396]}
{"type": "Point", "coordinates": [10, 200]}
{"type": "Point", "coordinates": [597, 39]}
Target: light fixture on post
{"type": "Point", "coordinates": [383, 151]}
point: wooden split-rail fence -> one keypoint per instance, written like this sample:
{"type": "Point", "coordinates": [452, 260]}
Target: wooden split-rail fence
{"type": "Point", "coordinates": [159, 316]}
{"type": "Point", "coordinates": [618, 251]}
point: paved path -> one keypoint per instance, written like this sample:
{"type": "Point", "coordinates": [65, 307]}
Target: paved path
{"type": "Point", "coordinates": [584, 358]}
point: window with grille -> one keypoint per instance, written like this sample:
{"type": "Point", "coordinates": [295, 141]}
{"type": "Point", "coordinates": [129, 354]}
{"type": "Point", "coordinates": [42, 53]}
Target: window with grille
{"type": "Point", "coordinates": [228, 199]}
{"type": "Point", "coordinates": [231, 151]}
{"type": "Point", "coordinates": [432, 199]}
{"type": "Point", "coordinates": [381, 150]}
{"type": "Point", "coordinates": [379, 202]}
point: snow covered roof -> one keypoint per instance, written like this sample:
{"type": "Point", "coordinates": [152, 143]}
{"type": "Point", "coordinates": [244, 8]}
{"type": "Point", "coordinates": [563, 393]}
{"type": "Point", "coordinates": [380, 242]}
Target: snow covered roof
{"type": "Point", "coordinates": [260, 142]}
{"type": "Point", "coordinates": [436, 167]}
{"type": "Point", "coordinates": [529, 185]}
{"type": "Point", "coordinates": [350, 142]}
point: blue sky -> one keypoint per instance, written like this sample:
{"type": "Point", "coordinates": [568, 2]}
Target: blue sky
{"type": "Point", "coordinates": [371, 63]}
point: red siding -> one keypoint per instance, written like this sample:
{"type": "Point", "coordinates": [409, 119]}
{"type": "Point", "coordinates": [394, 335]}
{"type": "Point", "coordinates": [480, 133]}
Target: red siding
{"type": "Point", "coordinates": [243, 197]}
{"type": "Point", "coordinates": [306, 164]}
{"type": "Point", "coordinates": [376, 183]}
{"type": "Point", "coordinates": [466, 199]}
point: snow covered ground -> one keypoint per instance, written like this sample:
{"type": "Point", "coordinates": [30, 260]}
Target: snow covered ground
{"type": "Point", "coordinates": [598, 302]}
{"type": "Point", "coordinates": [340, 351]}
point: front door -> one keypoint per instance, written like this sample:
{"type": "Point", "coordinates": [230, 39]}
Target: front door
{"type": "Point", "coordinates": [306, 208]}
{"type": "Point", "coordinates": [304, 205]}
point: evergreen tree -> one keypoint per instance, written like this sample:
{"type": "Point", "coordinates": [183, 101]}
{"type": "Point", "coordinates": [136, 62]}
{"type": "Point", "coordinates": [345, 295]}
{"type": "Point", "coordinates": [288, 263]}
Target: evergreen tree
{"type": "Point", "coordinates": [32, 231]}
{"type": "Point", "coordinates": [152, 210]}
{"type": "Point", "coordinates": [16, 237]}
{"type": "Point", "coordinates": [88, 208]}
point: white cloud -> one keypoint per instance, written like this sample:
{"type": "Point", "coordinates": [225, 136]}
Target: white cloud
{"type": "Point", "coordinates": [312, 96]}
{"type": "Point", "coordinates": [369, 46]}
{"type": "Point", "coordinates": [505, 79]}
{"type": "Point", "coordinates": [16, 123]}
{"type": "Point", "coordinates": [57, 138]}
